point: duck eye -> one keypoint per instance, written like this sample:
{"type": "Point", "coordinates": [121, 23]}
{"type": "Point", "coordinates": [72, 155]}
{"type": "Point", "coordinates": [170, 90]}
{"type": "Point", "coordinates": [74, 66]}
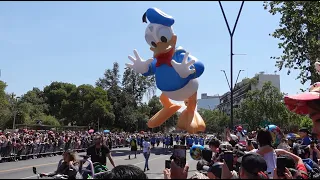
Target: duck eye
{"type": "Point", "coordinates": [165, 34]}
{"type": "Point", "coordinates": [163, 39]}
{"type": "Point", "coordinates": [150, 40]}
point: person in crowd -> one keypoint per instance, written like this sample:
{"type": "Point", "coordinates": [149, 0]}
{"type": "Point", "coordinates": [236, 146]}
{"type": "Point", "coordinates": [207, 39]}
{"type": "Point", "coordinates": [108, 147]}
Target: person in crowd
{"type": "Point", "coordinates": [214, 171]}
{"type": "Point", "coordinates": [146, 153]}
{"type": "Point", "coordinates": [68, 166]}
{"type": "Point", "coordinates": [252, 166]}
{"type": "Point", "coordinates": [153, 141]}
{"type": "Point", "coordinates": [201, 140]}
{"type": "Point", "coordinates": [189, 141]}
{"type": "Point", "coordinates": [299, 164]}
{"type": "Point", "coordinates": [99, 152]}
{"type": "Point", "coordinates": [304, 134]}
{"type": "Point", "coordinates": [284, 144]}
{"type": "Point", "coordinates": [158, 140]}
{"type": "Point", "coordinates": [133, 146]}
{"type": "Point", "coordinates": [176, 172]}
{"type": "Point", "coordinates": [171, 141]}
{"type": "Point", "coordinates": [266, 150]}
{"type": "Point", "coordinates": [177, 139]}
{"type": "Point", "coordinates": [125, 172]}
{"type": "Point", "coordinates": [167, 141]}
{"type": "Point", "coordinates": [214, 145]}
{"type": "Point", "coordinates": [196, 140]}
{"type": "Point", "coordinates": [241, 136]}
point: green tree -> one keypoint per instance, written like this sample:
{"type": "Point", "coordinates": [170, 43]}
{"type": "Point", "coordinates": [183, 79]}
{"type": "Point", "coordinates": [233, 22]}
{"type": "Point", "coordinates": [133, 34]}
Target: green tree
{"type": "Point", "coordinates": [138, 85]}
{"type": "Point", "coordinates": [86, 105]}
{"type": "Point", "coordinates": [306, 122]}
{"type": "Point", "coordinates": [47, 120]}
{"type": "Point", "coordinates": [31, 105]}
{"type": "Point", "coordinates": [56, 94]}
{"type": "Point", "coordinates": [215, 120]}
{"type": "Point", "coordinates": [266, 104]}
{"type": "Point", "coordinates": [110, 83]}
{"type": "Point", "coordinates": [4, 106]}
{"type": "Point", "coordinates": [298, 33]}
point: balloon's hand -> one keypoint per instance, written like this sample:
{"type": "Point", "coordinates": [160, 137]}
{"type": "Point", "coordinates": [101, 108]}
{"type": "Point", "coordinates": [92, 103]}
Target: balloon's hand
{"type": "Point", "coordinates": [139, 65]}
{"type": "Point", "coordinates": [183, 68]}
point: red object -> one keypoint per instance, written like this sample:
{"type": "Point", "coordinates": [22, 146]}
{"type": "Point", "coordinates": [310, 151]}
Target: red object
{"type": "Point", "coordinates": [91, 131]}
{"type": "Point", "coordinates": [298, 103]}
{"type": "Point", "coordinates": [239, 128]}
{"type": "Point", "coordinates": [165, 58]}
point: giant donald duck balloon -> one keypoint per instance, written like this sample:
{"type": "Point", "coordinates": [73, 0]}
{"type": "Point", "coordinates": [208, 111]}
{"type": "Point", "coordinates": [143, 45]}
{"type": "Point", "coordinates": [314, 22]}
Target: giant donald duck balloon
{"type": "Point", "coordinates": [175, 71]}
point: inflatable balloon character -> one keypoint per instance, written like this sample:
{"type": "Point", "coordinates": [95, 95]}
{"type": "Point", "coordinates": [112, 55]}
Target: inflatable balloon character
{"type": "Point", "coordinates": [276, 133]}
{"type": "Point", "coordinates": [175, 71]}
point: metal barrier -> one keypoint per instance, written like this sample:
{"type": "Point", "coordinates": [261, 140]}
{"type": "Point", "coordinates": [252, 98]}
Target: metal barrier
{"type": "Point", "coordinates": [16, 152]}
{"type": "Point", "coordinates": [31, 151]}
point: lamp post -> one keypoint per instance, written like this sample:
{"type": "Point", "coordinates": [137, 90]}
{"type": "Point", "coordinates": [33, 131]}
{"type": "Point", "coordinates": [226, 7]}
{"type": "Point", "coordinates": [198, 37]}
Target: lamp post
{"type": "Point", "coordinates": [231, 33]}
{"type": "Point", "coordinates": [231, 90]}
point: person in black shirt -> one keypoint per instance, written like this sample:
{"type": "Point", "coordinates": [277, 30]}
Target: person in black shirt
{"type": "Point", "coordinates": [99, 152]}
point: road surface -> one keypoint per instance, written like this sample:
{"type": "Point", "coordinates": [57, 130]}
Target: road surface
{"type": "Point", "coordinates": [23, 169]}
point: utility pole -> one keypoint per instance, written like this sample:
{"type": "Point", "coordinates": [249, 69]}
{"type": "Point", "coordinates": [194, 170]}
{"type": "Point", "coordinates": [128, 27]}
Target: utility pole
{"type": "Point", "coordinates": [231, 33]}
{"type": "Point", "coordinates": [14, 109]}
{"type": "Point", "coordinates": [98, 124]}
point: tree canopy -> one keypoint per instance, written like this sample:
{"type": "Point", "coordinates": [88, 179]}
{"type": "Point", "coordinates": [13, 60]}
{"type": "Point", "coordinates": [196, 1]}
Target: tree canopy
{"type": "Point", "coordinates": [298, 32]}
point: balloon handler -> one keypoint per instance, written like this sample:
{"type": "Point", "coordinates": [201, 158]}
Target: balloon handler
{"type": "Point", "coordinates": [175, 71]}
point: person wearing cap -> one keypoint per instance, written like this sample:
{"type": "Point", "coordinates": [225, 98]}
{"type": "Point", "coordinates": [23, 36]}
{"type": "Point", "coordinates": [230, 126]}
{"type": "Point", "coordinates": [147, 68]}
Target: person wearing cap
{"type": "Point", "coordinates": [307, 103]}
{"type": "Point", "coordinates": [175, 71]}
{"type": "Point", "coordinates": [241, 136]}
{"type": "Point", "coordinates": [252, 166]}
{"type": "Point", "coordinates": [304, 134]}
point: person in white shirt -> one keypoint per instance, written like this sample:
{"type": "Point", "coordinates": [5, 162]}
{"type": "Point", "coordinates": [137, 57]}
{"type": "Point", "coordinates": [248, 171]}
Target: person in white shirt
{"type": "Point", "coordinates": [146, 152]}
{"type": "Point", "coordinates": [241, 136]}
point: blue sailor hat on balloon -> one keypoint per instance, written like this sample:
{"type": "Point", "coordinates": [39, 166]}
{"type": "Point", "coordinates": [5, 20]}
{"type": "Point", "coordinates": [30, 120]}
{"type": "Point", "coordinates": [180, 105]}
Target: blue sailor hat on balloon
{"type": "Point", "coordinates": [156, 16]}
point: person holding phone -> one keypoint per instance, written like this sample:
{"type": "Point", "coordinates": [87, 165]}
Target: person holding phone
{"type": "Point", "coordinates": [146, 152]}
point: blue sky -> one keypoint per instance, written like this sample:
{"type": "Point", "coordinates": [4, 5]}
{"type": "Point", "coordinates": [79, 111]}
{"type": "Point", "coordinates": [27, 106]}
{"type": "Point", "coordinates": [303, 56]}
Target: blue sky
{"type": "Point", "coordinates": [75, 42]}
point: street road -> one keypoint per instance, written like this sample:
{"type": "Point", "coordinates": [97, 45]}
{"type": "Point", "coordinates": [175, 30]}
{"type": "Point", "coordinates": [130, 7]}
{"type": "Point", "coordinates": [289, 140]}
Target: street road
{"type": "Point", "coordinates": [23, 169]}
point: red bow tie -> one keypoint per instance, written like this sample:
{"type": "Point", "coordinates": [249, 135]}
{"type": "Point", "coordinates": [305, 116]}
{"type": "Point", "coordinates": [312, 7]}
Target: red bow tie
{"type": "Point", "coordinates": [165, 58]}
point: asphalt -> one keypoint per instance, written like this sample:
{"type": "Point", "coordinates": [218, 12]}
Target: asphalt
{"type": "Point", "coordinates": [23, 169]}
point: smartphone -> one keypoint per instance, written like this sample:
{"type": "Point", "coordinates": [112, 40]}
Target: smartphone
{"type": "Point", "coordinates": [179, 155]}
{"type": "Point", "coordinates": [281, 165]}
{"type": "Point", "coordinates": [168, 164]}
{"type": "Point", "coordinates": [228, 158]}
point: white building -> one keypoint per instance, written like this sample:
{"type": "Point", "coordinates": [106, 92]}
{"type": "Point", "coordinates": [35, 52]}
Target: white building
{"type": "Point", "coordinates": [241, 89]}
{"type": "Point", "coordinates": [208, 102]}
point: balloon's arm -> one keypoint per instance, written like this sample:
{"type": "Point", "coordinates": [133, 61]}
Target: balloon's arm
{"type": "Point", "coordinates": [151, 69]}
{"type": "Point", "coordinates": [197, 65]}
